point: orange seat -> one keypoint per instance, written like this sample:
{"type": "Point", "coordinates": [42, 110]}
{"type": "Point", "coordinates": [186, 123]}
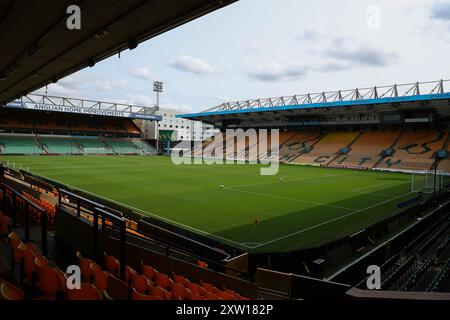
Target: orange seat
{"type": "Point", "coordinates": [148, 271]}
{"type": "Point", "coordinates": [135, 295]}
{"type": "Point", "coordinates": [129, 274]}
{"type": "Point", "coordinates": [9, 291]}
{"type": "Point", "coordinates": [86, 292]}
{"type": "Point", "coordinates": [29, 258]}
{"type": "Point", "coordinates": [225, 295]}
{"type": "Point", "coordinates": [212, 296]}
{"type": "Point", "coordinates": [163, 281]}
{"type": "Point", "coordinates": [161, 293]}
{"type": "Point", "coordinates": [62, 278]}
{"type": "Point", "coordinates": [13, 235]}
{"type": "Point", "coordinates": [180, 279]}
{"type": "Point", "coordinates": [141, 283]}
{"type": "Point", "coordinates": [196, 289]}
{"type": "Point", "coordinates": [85, 267]}
{"type": "Point", "coordinates": [209, 287]}
{"type": "Point", "coordinates": [179, 292]}
{"type": "Point", "coordinates": [49, 281]}
{"type": "Point", "coordinates": [196, 297]}
{"type": "Point", "coordinates": [112, 264]}
{"type": "Point", "coordinates": [15, 243]}
{"type": "Point", "coordinates": [100, 277]}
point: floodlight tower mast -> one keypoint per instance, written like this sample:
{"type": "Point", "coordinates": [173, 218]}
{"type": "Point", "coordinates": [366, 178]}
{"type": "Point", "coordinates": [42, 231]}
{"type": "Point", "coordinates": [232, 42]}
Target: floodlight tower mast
{"type": "Point", "coordinates": [158, 88]}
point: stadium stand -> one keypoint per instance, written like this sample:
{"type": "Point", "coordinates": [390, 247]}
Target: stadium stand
{"type": "Point", "coordinates": [31, 132]}
{"type": "Point", "coordinates": [18, 145]}
{"type": "Point", "coordinates": [48, 145]}
{"type": "Point", "coordinates": [121, 146]}
{"type": "Point", "coordinates": [93, 146]}
{"type": "Point", "coordinates": [65, 123]}
{"type": "Point", "coordinates": [378, 148]}
{"type": "Point", "coordinates": [415, 150]}
{"type": "Point", "coordinates": [297, 144]}
{"type": "Point", "coordinates": [143, 147]}
{"type": "Point", "coordinates": [444, 165]}
{"type": "Point", "coordinates": [328, 148]}
{"type": "Point", "coordinates": [58, 146]}
{"type": "Point", "coordinates": [367, 150]}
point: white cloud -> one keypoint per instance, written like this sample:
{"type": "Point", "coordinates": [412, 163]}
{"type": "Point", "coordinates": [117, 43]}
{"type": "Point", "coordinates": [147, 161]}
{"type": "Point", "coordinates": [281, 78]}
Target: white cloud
{"type": "Point", "coordinates": [142, 73]}
{"type": "Point", "coordinates": [192, 65]}
{"type": "Point", "coordinates": [59, 90]}
{"type": "Point", "coordinates": [360, 54]}
{"type": "Point", "coordinates": [103, 85]}
{"type": "Point", "coordinates": [180, 108]}
{"type": "Point", "coordinates": [275, 71]}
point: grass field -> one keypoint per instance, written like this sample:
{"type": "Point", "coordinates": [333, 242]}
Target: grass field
{"type": "Point", "coordinates": [309, 206]}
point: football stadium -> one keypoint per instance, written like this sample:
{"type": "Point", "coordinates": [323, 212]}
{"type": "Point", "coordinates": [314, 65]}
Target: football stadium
{"type": "Point", "coordinates": [289, 198]}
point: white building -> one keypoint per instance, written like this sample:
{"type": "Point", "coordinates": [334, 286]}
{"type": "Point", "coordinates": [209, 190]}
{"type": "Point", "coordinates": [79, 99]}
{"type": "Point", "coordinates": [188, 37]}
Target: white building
{"type": "Point", "coordinates": [184, 129]}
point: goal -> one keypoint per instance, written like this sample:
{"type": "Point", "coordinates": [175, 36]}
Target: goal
{"type": "Point", "coordinates": [427, 181]}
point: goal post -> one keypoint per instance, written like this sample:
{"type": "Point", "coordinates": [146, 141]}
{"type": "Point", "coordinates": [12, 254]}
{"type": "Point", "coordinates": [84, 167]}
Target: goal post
{"type": "Point", "coordinates": [427, 181]}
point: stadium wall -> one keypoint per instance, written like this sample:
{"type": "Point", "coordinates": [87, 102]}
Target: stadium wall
{"type": "Point", "coordinates": [67, 235]}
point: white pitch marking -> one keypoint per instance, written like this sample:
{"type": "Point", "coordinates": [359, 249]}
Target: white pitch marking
{"type": "Point", "coordinates": [290, 199]}
{"type": "Point", "coordinates": [329, 221]}
{"type": "Point", "coordinates": [374, 185]}
{"type": "Point", "coordinates": [290, 180]}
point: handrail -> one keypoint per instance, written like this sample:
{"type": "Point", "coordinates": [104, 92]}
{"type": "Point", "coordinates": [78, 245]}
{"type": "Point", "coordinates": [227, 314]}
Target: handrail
{"type": "Point", "coordinates": [440, 277]}
{"type": "Point", "coordinates": [43, 212]}
{"type": "Point", "coordinates": [88, 201]}
{"type": "Point", "coordinates": [105, 212]}
{"type": "Point", "coordinates": [123, 234]}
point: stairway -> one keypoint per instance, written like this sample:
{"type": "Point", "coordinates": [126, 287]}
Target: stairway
{"type": "Point", "coordinates": [390, 147]}
{"type": "Point", "coordinates": [337, 155]}
{"type": "Point", "coordinates": [41, 146]}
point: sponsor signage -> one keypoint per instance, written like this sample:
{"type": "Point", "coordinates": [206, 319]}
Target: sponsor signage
{"type": "Point", "coordinates": [81, 110]}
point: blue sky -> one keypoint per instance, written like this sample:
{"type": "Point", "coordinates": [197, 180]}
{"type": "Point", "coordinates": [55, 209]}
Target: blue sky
{"type": "Point", "coordinates": [262, 48]}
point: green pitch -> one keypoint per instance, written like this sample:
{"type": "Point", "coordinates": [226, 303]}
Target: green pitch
{"type": "Point", "coordinates": [297, 208]}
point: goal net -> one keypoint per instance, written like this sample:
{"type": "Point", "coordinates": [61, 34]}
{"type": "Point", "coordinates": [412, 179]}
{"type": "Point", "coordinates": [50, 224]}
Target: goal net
{"type": "Point", "coordinates": [427, 181]}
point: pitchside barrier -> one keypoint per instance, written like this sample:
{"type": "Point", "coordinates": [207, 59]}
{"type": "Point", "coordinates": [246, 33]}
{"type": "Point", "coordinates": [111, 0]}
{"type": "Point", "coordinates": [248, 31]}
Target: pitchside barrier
{"type": "Point", "coordinates": [404, 241]}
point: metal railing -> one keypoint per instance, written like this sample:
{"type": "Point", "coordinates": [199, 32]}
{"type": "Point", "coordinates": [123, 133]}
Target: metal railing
{"type": "Point", "coordinates": [12, 204]}
{"type": "Point", "coordinates": [123, 236]}
{"type": "Point", "coordinates": [110, 217]}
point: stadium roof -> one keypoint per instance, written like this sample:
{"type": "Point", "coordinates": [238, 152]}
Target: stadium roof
{"type": "Point", "coordinates": [36, 48]}
{"type": "Point", "coordinates": [432, 95]}
{"type": "Point", "coordinates": [82, 106]}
